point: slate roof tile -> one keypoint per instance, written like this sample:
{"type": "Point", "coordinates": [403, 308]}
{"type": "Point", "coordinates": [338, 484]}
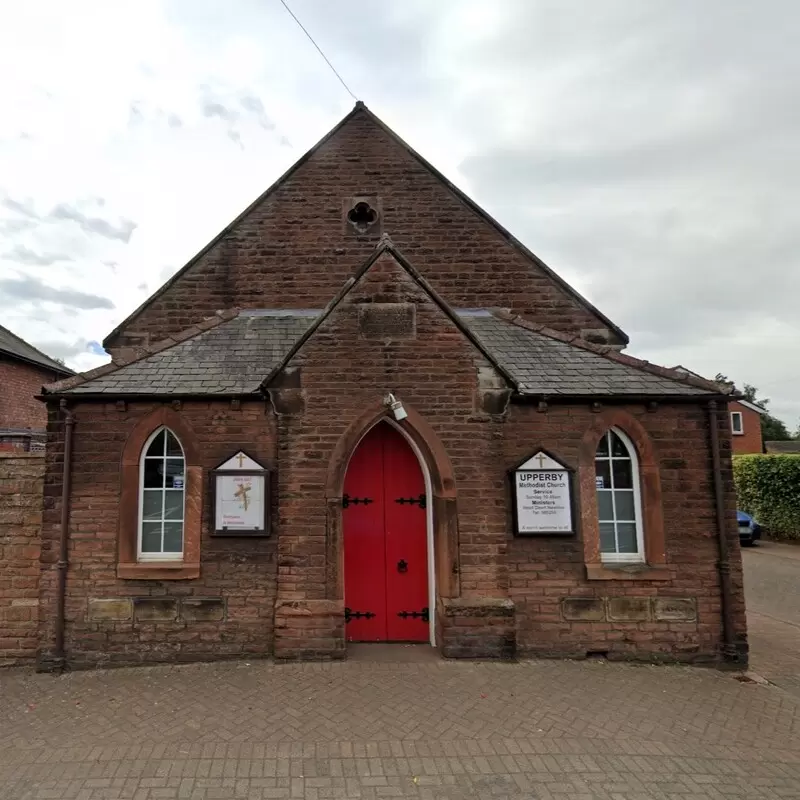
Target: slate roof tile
{"type": "Point", "coordinates": [236, 355]}
{"type": "Point", "coordinates": [12, 345]}
{"type": "Point", "coordinates": [545, 364]}
{"type": "Point", "coordinates": [231, 358]}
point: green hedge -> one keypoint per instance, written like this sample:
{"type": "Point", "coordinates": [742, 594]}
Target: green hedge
{"type": "Point", "coordinates": [768, 487]}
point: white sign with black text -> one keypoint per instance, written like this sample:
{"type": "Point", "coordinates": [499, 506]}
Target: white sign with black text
{"type": "Point", "coordinates": [543, 496]}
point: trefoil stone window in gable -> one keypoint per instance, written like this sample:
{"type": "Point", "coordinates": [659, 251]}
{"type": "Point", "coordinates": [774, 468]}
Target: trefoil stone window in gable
{"type": "Point", "coordinates": [362, 216]}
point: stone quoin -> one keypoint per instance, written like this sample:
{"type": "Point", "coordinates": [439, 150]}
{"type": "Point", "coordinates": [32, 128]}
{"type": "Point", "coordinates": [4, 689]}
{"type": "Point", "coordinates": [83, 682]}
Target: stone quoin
{"type": "Point", "coordinates": [386, 356]}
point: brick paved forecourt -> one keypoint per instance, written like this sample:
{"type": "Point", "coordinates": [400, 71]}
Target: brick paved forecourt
{"type": "Point", "coordinates": [436, 730]}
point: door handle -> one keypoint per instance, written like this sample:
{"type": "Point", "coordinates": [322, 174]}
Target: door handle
{"type": "Point", "coordinates": [402, 566]}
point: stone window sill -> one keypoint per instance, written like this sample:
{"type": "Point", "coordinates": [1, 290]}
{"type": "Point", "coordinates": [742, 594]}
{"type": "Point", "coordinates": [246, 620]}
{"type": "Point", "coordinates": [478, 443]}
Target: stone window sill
{"type": "Point", "coordinates": [158, 571]}
{"type": "Point", "coordinates": [628, 572]}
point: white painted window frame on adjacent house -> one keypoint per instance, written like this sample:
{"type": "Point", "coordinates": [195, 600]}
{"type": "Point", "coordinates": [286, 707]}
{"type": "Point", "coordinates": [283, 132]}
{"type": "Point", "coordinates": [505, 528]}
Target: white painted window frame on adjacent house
{"type": "Point", "coordinates": [164, 457]}
{"type": "Point", "coordinates": [615, 556]}
{"type": "Point", "coordinates": [737, 431]}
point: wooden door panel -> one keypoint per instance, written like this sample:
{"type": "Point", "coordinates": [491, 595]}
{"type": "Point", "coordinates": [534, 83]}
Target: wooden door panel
{"type": "Point", "coordinates": [384, 522]}
{"type": "Point", "coordinates": [365, 542]}
{"type": "Point", "coordinates": [406, 541]}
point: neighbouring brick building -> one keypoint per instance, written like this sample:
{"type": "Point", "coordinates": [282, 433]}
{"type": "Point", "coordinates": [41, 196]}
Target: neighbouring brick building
{"type": "Point", "coordinates": [745, 420]}
{"type": "Point", "coordinates": [310, 435]}
{"type": "Point", "coordinates": [23, 371]}
{"type": "Point", "coordinates": [746, 427]}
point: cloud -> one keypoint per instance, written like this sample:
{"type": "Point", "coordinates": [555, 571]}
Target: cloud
{"type": "Point", "coordinates": [212, 108]}
{"type": "Point", "coordinates": [62, 349]}
{"type": "Point", "coordinates": [122, 230]}
{"type": "Point", "coordinates": [12, 226]}
{"type": "Point", "coordinates": [22, 255]}
{"type": "Point", "coordinates": [25, 209]}
{"type": "Point", "coordinates": [254, 105]}
{"type": "Point", "coordinates": [235, 110]}
{"type": "Point", "coordinates": [68, 350]}
{"type": "Point", "coordinates": [35, 291]}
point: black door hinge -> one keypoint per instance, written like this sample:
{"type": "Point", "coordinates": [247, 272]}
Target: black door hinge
{"type": "Point", "coordinates": [421, 501]}
{"type": "Point", "coordinates": [347, 500]}
{"type": "Point", "coordinates": [423, 615]}
{"type": "Point", "coordinates": [350, 614]}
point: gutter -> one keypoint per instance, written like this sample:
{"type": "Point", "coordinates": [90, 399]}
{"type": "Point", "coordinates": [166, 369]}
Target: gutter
{"type": "Point", "coordinates": [163, 397]}
{"type": "Point", "coordinates": [615, 399]}
{"type": "Point", "coordinates": [729, 652]}
{"type": "Point", "coordinates": [63, 540]}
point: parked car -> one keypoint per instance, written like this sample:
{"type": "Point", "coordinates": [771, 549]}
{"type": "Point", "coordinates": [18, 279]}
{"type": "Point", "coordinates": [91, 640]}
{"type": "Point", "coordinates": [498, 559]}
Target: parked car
{"type": "Point", "coordinates": [749, 529]}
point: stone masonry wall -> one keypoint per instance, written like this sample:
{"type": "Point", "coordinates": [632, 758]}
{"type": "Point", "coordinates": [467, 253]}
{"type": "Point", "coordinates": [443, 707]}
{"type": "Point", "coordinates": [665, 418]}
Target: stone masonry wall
{"type": "Point", "coordinates": [21, 478]}
{"type": "Point", "coordinates": [296, 249]}
{"type": "Point", "coordinates": [344, 370]}
{"type": "Point", "coordinates": [227, 612]}
{"type": "Point", "coordinates": [560, 612]}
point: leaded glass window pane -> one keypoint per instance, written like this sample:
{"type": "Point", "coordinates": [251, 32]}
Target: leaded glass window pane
{"type": "Point", "coordinates": [162, 498]}
{"type": "Point", "coordinates": [617, 478]}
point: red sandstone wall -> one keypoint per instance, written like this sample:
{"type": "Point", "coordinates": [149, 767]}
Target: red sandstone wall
{"type": "Point", "coordinates": [19, 383]}
{"type": "Point", "coordinates": [346, 367]}
{"type": "Point", "coordinates": [21, 477]}
{"type": "Point", "coordinates": [237, 575]}
{"type": "Point", "coordinates": [436, 373]}
{"type": "Point", "coordinates": [296, 250]}
{"type": "Point", "coordinates": [546, 572]}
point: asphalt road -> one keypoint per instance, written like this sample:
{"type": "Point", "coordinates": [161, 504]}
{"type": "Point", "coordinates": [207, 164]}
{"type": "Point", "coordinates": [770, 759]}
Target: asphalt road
{"type": "Point", "coordinates": [772, 591]}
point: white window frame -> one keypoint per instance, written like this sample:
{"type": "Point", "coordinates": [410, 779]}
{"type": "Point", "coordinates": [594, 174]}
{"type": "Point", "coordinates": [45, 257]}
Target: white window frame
{"type": "Point", "coordinates": [735, 414]}
{"type": "Point", "coordinates": [140, 556]}
{"type": "Point", "coordinates": [638, 557]}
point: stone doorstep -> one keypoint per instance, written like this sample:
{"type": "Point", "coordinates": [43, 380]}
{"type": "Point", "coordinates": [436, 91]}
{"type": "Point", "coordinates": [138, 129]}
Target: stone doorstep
{"type": "Point", "coordinates": [477, 607]}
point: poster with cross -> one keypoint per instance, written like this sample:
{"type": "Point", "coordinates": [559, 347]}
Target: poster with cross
{"type": "Point", "coordinates": [241, 497]}
{"type": "Point", "coordinates": [543, 497]}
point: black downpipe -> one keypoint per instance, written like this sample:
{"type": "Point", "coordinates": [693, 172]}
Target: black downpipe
{"type": "Point", "coordinates": [724, 566]}
{"type": "Point", "coordinates": [63, 541]}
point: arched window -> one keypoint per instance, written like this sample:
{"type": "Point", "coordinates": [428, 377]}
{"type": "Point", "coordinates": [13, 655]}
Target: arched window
{"type": "Point", "coordinates": [162, 489]}
{"type": "Point", "coordinates": [619, 503]}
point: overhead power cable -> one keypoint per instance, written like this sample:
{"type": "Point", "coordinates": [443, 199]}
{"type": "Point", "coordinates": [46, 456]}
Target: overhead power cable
{"type": "Point", "coordinates": [319, 50]}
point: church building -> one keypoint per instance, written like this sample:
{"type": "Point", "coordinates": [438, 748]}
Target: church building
{"type": "Point", "coordinates": [365, 412]}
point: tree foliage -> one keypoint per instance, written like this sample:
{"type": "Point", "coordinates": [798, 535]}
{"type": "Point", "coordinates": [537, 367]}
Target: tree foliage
{"type": "Point", "coordinates": [772, 429]}
{"type": "Point", "coordinates": [768, 487]}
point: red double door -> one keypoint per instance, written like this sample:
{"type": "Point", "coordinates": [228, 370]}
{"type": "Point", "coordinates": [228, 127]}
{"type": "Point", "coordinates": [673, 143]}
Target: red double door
{"type": "Point", "coordinates": [385, 541]}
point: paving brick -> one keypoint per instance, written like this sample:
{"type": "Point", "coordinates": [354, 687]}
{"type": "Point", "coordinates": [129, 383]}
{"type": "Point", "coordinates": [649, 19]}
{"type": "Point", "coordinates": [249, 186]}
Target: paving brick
{"type": "Point", "coordinates": [377, 729]}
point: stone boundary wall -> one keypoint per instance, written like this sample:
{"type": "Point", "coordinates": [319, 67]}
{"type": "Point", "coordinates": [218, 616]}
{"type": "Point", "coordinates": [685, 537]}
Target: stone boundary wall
{"type": "Point", "coordinates": [21, 476]}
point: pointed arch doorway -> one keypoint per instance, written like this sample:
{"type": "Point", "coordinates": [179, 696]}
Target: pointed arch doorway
{"type": "Point", "coordinates": [387, 538]}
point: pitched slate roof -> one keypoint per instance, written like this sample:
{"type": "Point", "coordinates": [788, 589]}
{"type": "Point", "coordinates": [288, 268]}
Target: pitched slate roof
{"type": "Point", "coordinates": [229, 359]}
{"type": "Point", "coordinates": [240, 352]}
{"type": "Point", "coordinates": [547, 363]}
{"type": "Point", "coordinates": [12, 345]}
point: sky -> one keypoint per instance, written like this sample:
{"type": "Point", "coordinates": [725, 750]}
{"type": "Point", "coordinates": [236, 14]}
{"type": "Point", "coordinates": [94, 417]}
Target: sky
{"type": "Point", "coordinates": [648, 152]}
